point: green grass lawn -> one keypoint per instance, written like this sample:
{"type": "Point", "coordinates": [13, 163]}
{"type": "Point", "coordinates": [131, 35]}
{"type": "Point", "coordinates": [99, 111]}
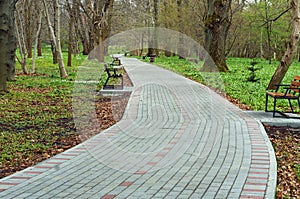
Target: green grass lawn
{"type": "Point", "coordinates": [37, 111]}
{"type": "Point", "coordinates": [36, 115]}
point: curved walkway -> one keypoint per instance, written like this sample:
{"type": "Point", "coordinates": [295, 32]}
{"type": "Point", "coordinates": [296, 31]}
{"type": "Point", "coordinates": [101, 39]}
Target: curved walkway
{"type": "Point", "coordinates": [177, 139]}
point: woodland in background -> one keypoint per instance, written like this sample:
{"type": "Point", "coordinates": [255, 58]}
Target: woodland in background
{"type": "Point", "coordinates": [258, 29]}
{"type": "Point", "coordinates": [226, 28]}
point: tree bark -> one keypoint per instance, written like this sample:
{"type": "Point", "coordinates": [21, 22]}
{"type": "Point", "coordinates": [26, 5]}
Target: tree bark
{"type": "Point", "coordinates": [22, 44]}
{"type": "Point", "coordinates": [71, 26]}
{"type": "Point", "coordinates": [102, 26]}
{"type": "Point", "coordinates": [56, 38]}
{"type": "Point", "coordinates": [155, 17]}
{"type": "Point", "coordinates": [70, 45]}
{"type": "Point", "coordinates": [7, 43]}
{"type": "Point", "coordinates": [55, 26]}
{"type": "Point", "coordinates": [78, 26]}
{"type": "Point", "coordinates": [84, 36]}
{"type": "Point", "coordinates": [149, 23]}
{"type": "Point", "coordinates": [180, 50]}
{"type": "Point", "coordinates": [62, 70]}
{"type": "Point", "coordinates": [40, 43]}
{"type": "Point", "coordinates": [28, 26]}
{"type": "Point", "coordinates": [39, 26]}
{"type": "Point", "coordinates": [217, 23]}
{"type": "Point", "coordinates": [291, 50]}
{"type": "Point", "coordinates": [268, 27]}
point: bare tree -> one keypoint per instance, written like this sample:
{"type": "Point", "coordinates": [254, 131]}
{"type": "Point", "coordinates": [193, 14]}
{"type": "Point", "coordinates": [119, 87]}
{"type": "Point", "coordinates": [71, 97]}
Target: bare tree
{"type": "Point", "coordinates": [28, 26]}
{"type": "Point", "coordinates": [102, 25]}
{"type": "Point", "coordinates": [180, 15]}
{"type": "Point", "coordinates": [7, 43]}
{"type": "Point", "coordinates": [93, 25]}
{"type": "Point", "coordinates": [217, 21]}
{"type": "Point", "coordinates": [56, 38]}
{"type": "Point", "coordinates": [39, 26]}
{"type": "Point", "coordinates": [291, 50]}
{"type": "Point", "coordinates": [72, 12]}
{"type": "Point", "coordinates": [19, 24]}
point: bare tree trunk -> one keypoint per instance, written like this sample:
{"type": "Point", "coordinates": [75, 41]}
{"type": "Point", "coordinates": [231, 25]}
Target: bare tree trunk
{"type": "Point", "coordinates": [84, 30]}
{"type": "Point", "coordinates": [155, 17]}
{"type": "Point", "coordinates": [103, 25]}
{"type": "Point", "coordinates": [22, 45]}
{"type": "Point", "coordinates": [85, 39]}
{"type": "Point", "coordinates": [141, 44]}
{"type": "Point", "coordinates": [70, 45]}
{"type": "Point", "coordinates": [36, 42]}
{"type": "Point", "coordinates": [71, 9]}
{"type": "Point", "coordinates": [62, 70]}
{"type": "Point", "coordinates": [56, 39]}
{"type": "Point", "coordinates": [291, 50]}
{"type": "Point", "coordinates": [180, 50]}
{"type": "Point", "coordinates": [217, 23]}
{"type": "Point", "coordinates": [261, 45]}
{"type": "Point", "coordinates": [55, 26]}
{"type": "Point", "coordinates": [269, 31]}
{"type": "Point", "coordinates": [7, 43]}
{"type": "Point", "coordinates": [40, 43]}
{"type": "Point", "coordinates": [28, 26]}
{"type": "Point", "coordinates": [149, 23]}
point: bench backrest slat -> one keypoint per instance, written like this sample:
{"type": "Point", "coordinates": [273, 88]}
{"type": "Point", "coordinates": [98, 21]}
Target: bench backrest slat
{"type": "Point", "coordinates": [295, 85]}
{"type": "Point", "coordinates": [296, 78]}
{"type": "Point", "coordinates": [116, 62]}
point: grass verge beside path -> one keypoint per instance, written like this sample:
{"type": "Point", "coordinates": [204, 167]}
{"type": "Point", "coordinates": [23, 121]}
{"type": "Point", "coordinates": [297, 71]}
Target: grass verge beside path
{"type": "Point", "coordinates": [36, 118]}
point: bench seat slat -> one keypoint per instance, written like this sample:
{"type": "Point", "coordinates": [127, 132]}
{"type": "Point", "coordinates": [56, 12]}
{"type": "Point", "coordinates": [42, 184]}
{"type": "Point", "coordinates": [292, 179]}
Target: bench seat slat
{"type": "Point", "coordinates": [292, 92]}
{"type": "Point", "coordinates": [282, 95]}
{"type": "Point", "coordinates": [295, 84]}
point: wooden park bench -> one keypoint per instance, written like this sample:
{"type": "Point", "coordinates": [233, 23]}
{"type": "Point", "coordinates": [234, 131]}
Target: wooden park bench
{"type": "Point", "coordinates": [113, 70]}
{"type": "Point", "coordinates": [290, 92]}
{"type": "Point", "coordinates": [151, 57]}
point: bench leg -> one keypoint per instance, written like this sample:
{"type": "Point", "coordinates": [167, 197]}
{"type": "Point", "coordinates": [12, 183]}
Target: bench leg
{"type": "Point", "coordinates": [122, 82]}
{"type": "Point", "coordinates": [105, 84]}
{"type": "Point", "coordinates": [266, 106]}
{"type": "Point", "coordinates": [274, 108]}
{"type": "Point", "coordinates": [291, 105]}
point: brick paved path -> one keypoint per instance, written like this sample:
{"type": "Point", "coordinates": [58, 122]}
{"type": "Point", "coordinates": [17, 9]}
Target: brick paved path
{"type": "Point", "coordinates": [177, 139]}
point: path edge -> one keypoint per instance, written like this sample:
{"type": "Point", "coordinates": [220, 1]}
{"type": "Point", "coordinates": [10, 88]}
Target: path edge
{"type": "Point", "coordinates": [272, 182]}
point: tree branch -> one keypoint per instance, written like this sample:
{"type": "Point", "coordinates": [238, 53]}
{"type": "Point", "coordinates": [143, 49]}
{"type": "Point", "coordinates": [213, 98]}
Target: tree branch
{"type": "Point", "coordinates": [276, 18]}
